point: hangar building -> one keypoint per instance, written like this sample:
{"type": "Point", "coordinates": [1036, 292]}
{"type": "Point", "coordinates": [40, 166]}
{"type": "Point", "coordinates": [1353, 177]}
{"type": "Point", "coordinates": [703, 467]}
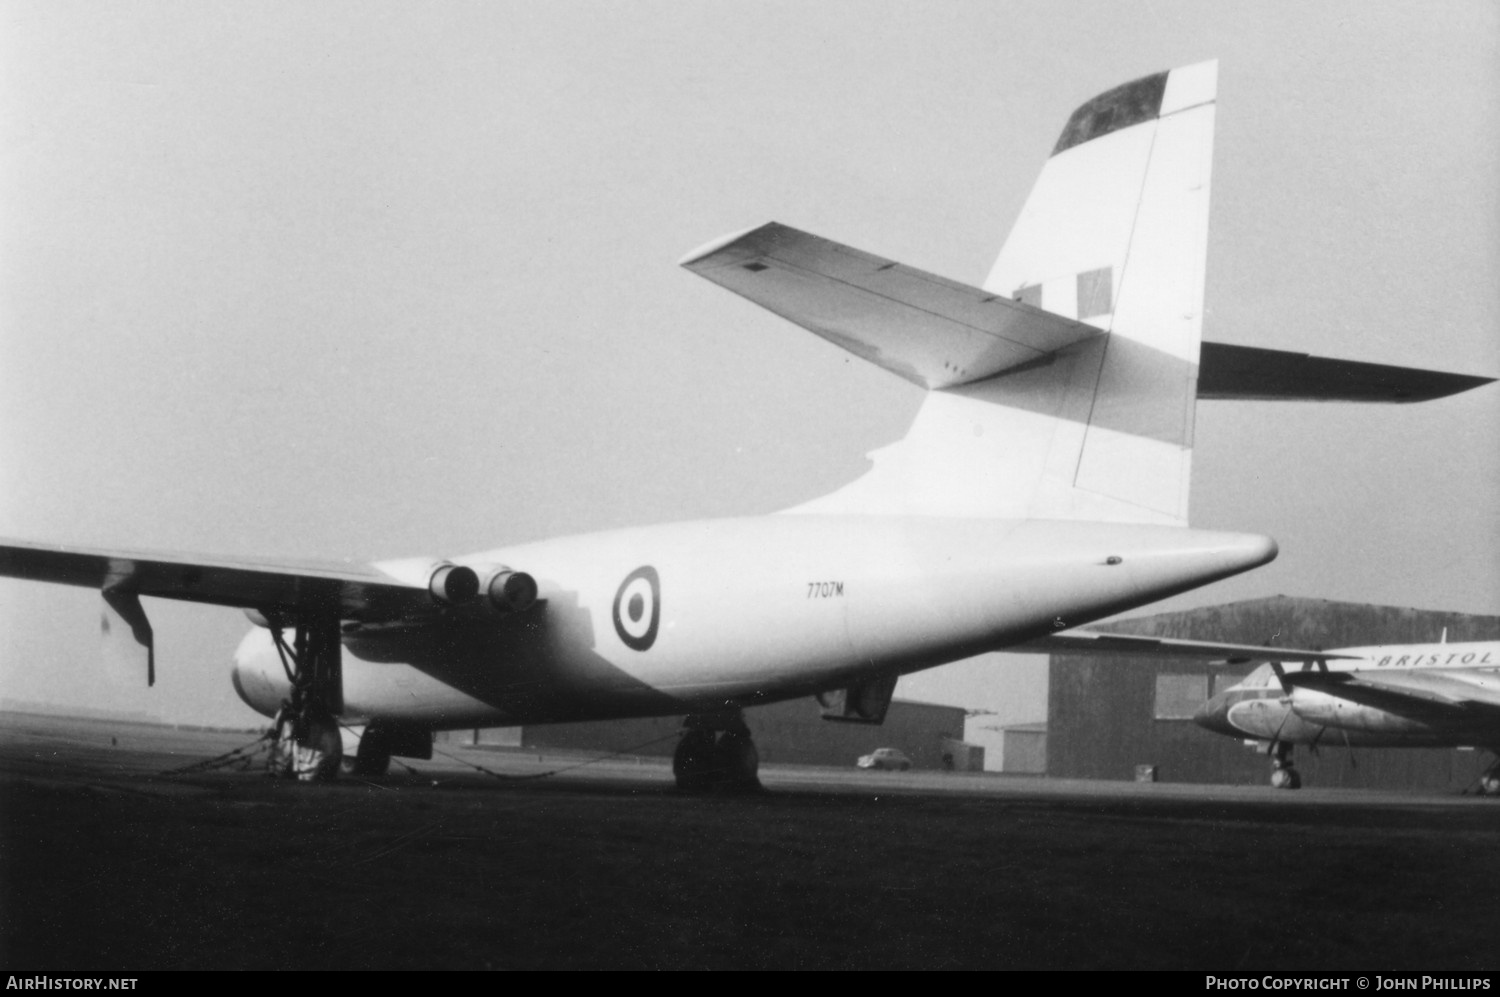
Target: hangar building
{"type": "Point", "coordinates": [1131, 717]}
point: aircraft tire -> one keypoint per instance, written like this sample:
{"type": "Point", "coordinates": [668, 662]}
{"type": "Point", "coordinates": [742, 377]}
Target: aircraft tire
{"type": "Point", "coordinates": [737, 762]}
{"type": "Point", "coordinates": [693, 761]}
{"type": "Point", "coordinates": [318, 753]}
{"type": "Point", "coordinates": [1286, 779]}
{"type": "Point", "coordinates": [368, 763]}
{"type": "Point", "coordinates": [379, 763]}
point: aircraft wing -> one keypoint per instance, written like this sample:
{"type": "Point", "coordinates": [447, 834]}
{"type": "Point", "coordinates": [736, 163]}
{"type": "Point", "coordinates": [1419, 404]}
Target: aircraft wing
{"type": "Point", "coordinates": [1089, 642]}
{"type": "Point", "coordinates": [934, 332]}
{"type": "Point", "coordinates": [1416, 692]}
{"type": "Point", "coordinates": [362, 592]}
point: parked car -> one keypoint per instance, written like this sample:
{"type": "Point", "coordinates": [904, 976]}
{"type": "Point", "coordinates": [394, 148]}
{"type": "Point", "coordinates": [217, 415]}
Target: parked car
{"type": "Point", "coordinates": [884, 758]}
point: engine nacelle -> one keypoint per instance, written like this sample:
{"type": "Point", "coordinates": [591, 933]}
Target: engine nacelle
{"type": "Point", "coordinates": [507, 591]}
{"type": "Point", "coordinates": [1330, 710]}
{"type": "Point", "coordinates": [258, 673]}
{"type": "Point", "coordinates": [453, 584]}
{"type": "Point", "coordinates": [278, 620]}
{"type": "Point", "coordinates": [449, 584]}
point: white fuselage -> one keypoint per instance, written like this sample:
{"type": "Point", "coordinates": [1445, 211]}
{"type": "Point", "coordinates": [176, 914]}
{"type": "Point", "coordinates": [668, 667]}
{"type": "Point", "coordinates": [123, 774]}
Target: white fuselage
{"type": "Point", "coordinates": [697, 616]}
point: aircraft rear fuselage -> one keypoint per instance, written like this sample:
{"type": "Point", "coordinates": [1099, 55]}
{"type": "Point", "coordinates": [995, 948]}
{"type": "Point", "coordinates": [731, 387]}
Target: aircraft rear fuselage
{"type": "Point", "coordinates": [705, 615]}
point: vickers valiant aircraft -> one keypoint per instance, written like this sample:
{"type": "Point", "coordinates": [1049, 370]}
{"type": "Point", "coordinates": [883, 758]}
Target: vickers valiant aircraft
{"type": "Point", "coordinates": [1391, 696]}
{"type": "Point", "coordinates": [1043, 484]}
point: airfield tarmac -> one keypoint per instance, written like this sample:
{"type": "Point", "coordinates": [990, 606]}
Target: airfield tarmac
{"type": "Point", "coordinates": [109, 860]}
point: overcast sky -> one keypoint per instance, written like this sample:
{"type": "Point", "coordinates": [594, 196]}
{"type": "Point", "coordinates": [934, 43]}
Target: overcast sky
{"type": "Point", "coordinates": [359, 280]}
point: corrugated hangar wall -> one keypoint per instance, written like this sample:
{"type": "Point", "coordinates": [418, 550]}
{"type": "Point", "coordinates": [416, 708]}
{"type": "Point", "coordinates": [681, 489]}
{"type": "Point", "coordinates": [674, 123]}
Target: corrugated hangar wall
{"type": "Point", "coordinates": [792, 732]}
{"type": "Point", "coordinates": [1103, 711]}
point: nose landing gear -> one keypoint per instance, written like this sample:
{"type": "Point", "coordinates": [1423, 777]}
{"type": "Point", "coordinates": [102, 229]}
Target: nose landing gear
{"type": "Point", "coordinates": [1489, 783]}
{"type": "Point", "coordinates": [1283, 775]}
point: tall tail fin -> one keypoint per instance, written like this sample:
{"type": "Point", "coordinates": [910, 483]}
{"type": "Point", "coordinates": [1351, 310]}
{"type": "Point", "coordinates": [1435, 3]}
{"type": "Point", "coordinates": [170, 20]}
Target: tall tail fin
{"type": "Point", "coordinates": [1115, 234]}
{"type": "Point", "coordinates": [1063, 389]}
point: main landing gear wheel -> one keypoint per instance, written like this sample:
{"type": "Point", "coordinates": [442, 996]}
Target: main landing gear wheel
{"type": "Point", "coordinates": [372, 758]}
{"type": "Point", "coordinates": [1489, 783]}
{"type": "Point", "coordinates": [692, 762]}
{"type": "Point", "coordinates": [306, 748]}
{"type": "Point", "coordinates": [716, 755]}
{"type": "Point", "coordinates": [1283, 775]}
{"type": "Point", "coordinates": [738, 762]}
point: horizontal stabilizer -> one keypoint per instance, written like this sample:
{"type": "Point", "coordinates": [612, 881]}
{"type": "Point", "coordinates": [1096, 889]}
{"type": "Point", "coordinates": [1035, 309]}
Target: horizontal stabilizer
{"type": "Point", "coordinates": [934, 332]}
{"type": "Point", "coordinates": [1250, 373]}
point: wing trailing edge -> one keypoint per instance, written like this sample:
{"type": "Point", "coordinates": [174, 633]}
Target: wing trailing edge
{"type": "Point", "coordinates": [356, 591]}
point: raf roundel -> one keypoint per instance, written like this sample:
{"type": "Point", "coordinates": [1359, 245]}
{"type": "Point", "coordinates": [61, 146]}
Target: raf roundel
{"type": "Point", "coordinates": [638, 608]}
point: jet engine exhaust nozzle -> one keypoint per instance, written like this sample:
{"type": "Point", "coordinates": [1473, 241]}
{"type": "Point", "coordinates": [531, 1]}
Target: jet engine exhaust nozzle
{"type": "Point", "coordinates": [510, 591]}
{"type": "Point", "coordinates": [453, 585]}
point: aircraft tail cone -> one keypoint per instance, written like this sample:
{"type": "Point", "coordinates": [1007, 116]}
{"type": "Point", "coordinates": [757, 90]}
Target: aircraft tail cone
{"type": "Point", "coordinates": [1165, 565]}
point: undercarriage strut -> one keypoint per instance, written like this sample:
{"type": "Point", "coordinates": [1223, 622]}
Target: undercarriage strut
{"type": "Point", "coordinates": [305, 743]}
{"type": "Point", "coordinates": [1283, 774]}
